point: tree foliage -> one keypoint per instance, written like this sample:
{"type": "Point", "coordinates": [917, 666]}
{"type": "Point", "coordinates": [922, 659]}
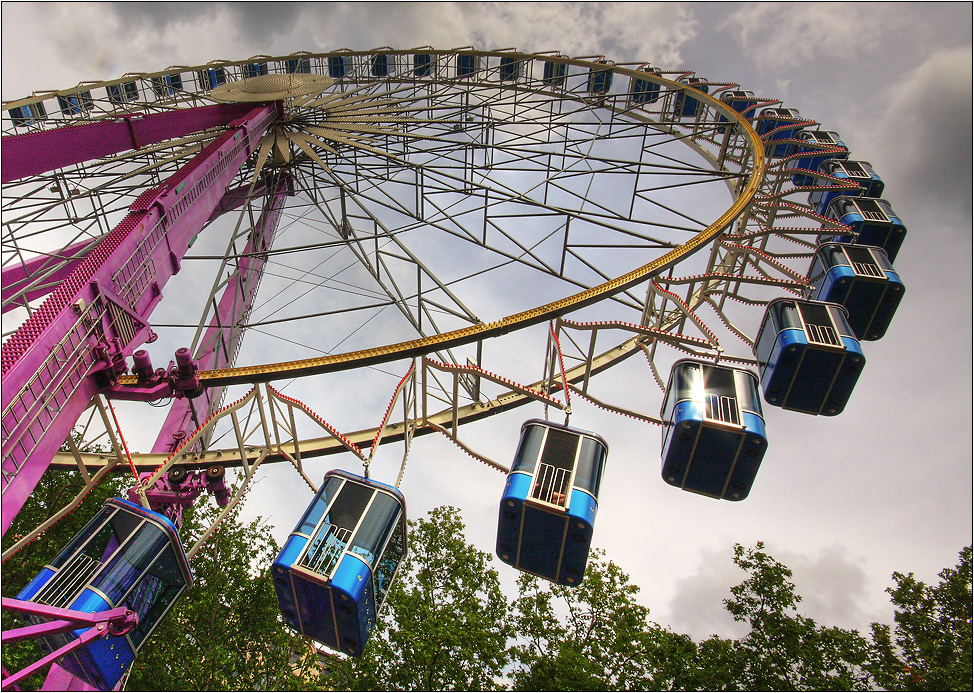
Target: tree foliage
{"type": "Point", "coordinates": [595, 636]}
{"type": "Point", "coordinates": [929, 647]}
{"type": "Point", "coordinates": [785, 650]}
{"type": "Point", "coordinates": [447, 625]}
{"type": "Point", "coordinates": [444, 626]}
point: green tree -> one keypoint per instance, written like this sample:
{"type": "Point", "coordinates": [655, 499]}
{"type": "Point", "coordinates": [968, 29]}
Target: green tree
{"type": "Point", "coordinates": [930, 645]}
{"type": "Point", "coordinates": [785, 650]}
{"type": "Point", "coordinates": [444, 625]}
{"type": "Point", "coordinates": [226, 633]}
{"type": "Point", "coordinates": [595, 636]}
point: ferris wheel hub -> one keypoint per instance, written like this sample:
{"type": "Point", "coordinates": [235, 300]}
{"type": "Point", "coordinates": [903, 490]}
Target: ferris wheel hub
{"type": "Point", "coordinates": [271, 88]}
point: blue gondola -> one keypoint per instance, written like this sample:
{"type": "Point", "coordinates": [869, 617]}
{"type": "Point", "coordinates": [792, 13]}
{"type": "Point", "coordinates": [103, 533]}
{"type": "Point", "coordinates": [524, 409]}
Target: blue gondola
{"type": "Point", "coordinates": [167, 84]}
{"type": "Point", "coordinates": [740, 100]}
{"type": "Point", "coordinates": [298, 65]}
{"type": "Point", "coordinates": [254, 69]}
{"type": "Point", "coordinates": [125, 556]}
{"type": "Point", "coordinates": [873, 221]}
{"type": "Point", "coordinates": [336, 567]}
{"type": "Point", "coordinates": [28, 114]}
{"type": "Point", "coordinates": [859, 172]}
{"type": "Point", "coordinates": [121, 93]}
{"type": "Point", "coordinates": [554, 73]}
{"type": "Point", "coordinates": [643, 91]}
{"type": "Point", "coordinates": [861, 278]}
{"type": "Point", "coordinates": [808, 356]}
{"type": "Point", "coordinates": [817, 146]}
{"type": "Point", "coordinates": [336, 66]}
{"type": "Point", "coordinates": [510, 69]}
{"type": "Point", "coordinates": [686, 105]}
{"type": "Point", "coordinates": [713, 430]}
{"type": "Point", "coordinates": [466, 64]}
{"type": "Point", "coordinates": [422, 64]}
{"type": "Point", "coordinates": [769, 120]}
{"type": "Point", "coordinates": [600, 78]}
{"type": "Point", "coordinates": [548, 508]}
{"type": "Point", "coordinates": [380, 65]}
{"type": "Point", "coordinates": [211, 78]}
{"type": "Point", "coordinates": [76, 104]}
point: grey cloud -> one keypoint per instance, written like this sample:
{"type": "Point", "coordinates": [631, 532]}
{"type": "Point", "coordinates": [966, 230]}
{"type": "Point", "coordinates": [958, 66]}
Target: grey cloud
{"type": "Point", "coordinates": [832, 582]}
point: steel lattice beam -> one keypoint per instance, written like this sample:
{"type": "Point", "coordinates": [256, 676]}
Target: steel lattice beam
{"type": "Point", "coordinates": [69, 349]}
{"type": "Point", "coordinates": [225, 332]}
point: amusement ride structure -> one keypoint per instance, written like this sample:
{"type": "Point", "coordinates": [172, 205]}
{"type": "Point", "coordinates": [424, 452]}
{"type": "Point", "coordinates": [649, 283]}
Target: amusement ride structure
{"type": "Point", "coordinates": [421, 214]}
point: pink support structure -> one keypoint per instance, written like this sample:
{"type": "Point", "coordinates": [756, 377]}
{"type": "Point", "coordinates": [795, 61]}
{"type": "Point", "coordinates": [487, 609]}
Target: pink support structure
{"type": "Point", "coordinates": [225, 332]}
{"type": "Point", "coordinates": [38, 152]}
{"type": "Point", "coordinates": [113, 622]}
{"type": "Point", "coordinates": [39, 276]}
{"type": "Point", "coordinates": [74, 345]}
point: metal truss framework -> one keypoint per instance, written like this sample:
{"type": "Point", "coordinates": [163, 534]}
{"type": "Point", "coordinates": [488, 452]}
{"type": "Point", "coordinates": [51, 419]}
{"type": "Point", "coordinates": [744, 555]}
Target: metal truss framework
{"type": "Point", "coordinates": [411, 153]}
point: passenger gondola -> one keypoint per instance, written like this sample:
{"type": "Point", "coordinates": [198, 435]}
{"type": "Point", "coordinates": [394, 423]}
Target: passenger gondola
{"type": "Point", "coordinates": [548, 508]}
{"type": "Point", "coordinates": [872, 221]}
{"type": "Point", "coordinates": [816, 146]}
{"type": "Point", "coordinates": [860, 173]}
{"type": "Point", "coordinates": [686, 106]}
{"type": "Point", "coordinates": [338, 564]}
{"type": "Point", "coordinates": [713, 430]}
{"type": "Point", "coordinates": [808, 356]}
{"type": "Point", "coordinates": [861, 278]}
{"type": "Point", "coordinates": [643, 91]}
{"type": "Point", "coordinates": [777, 141]}
{"type": "Point", "coordinates": [125, 556]}
{"type": "Point", "coordinates": [741, 101]}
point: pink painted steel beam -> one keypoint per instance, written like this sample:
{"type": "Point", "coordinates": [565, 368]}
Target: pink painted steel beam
{"type": "Point", "coordinates": [225, 332]}
{"type": "Point", "coordinates": [38, 152]}
{"type": "Point", "coordinates": [61, 356]}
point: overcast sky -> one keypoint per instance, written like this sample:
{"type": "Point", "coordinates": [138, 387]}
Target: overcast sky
{"type": "Point", "coordinates": [844, 501]}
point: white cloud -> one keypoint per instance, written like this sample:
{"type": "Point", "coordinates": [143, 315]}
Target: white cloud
{"type": "Point", "coordinates": [786, 35]}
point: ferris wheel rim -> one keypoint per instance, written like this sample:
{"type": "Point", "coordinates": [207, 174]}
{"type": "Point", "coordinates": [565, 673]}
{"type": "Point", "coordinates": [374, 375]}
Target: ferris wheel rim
{"type": "Point", "coordinates": [539, 314]}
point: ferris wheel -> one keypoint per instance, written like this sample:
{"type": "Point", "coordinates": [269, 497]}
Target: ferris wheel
{"type": "Point", "coordinates": [443, 234]}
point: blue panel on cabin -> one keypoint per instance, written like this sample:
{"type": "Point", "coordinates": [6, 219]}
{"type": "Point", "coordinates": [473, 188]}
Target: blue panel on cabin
{"type": "Point", "coordinates": [508, 69]}
{"type": "Point", "coordinates": [111, 657]}
{"type": "Point", "coordinates": [687, 106]}
{"type": "Point", "coordinates": [554, 73]}
{"type": "Point", "coordinates": [354, 604]}
{"type": "Point", "coordinates": [336, 66]}
{"type": "Point", "coordinates": [770, 120]}
{"type": "Point", "coordinates": [380, 65]}
{"type": "Point", "coordinates": [422, 64]}
{"type": "Point", "coordinates": [740, 102]}
{"type": "Point", "coordinates": [533, 538]}
{"type": "Point", "coordinates": [299, 65]}
{"type": "Point", "coordinates": [313, 602]}
{"type": "Point", "coordinates": [818, 146]}
{"type": "Point", "coordinates": [599, 80]}
{"type": "Point", "coordinates": [810, 378]}
{"type": "Point", "coordinates": [872, 186]}
{"type": "Point", "coordinates": [644, 91]}
{"type": "Point", "coordinates": [466, 65]}
{"type": "Point", "coordinates": [35, 585]}
{"type": "Point", "coordinates": [889, 237]}
{"type": "Point", "coordinates": [710, 459]}
{"type": "Point", "coordinates": [871, 303]}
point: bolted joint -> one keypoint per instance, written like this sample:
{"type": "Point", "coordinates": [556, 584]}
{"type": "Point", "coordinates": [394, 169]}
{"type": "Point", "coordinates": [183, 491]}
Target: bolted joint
{"type": "Point", "coordinates": [185, 376]}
